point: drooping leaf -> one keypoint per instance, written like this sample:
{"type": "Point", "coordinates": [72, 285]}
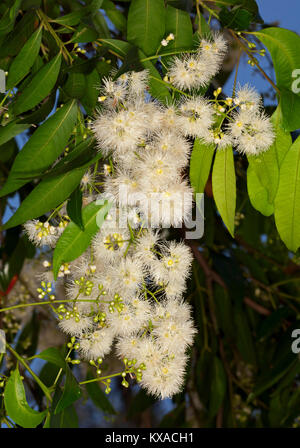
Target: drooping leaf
{"type": "Point", "coordinates": [146, 25]}
{"type": "Point", "coordinates": [224, 186]}
{"type": "Point", "coordinates": [39, 87]}
{"type": "Point", "coordinates": [71, 392]}
{"type": "Point", "coordinates": [54, 356]}
{"type": "Point", "coordinates": [11, 130]}
{"type": "Point", "coordinates": [287, 201]}
{"type": "Point", "coordinates": [74, 241]}
{"type": "Point", "coordinates": [258, 195]}
{"type": "Point", "coordinates": [115, 15]}
{"type": "Point", "coordinates": [24, 60]}
{"type": "Point", "coordinates": [200, 165]}
{"type": "Point", "coordinates": [74, 207]}
{"type": "Point", "coordinates": [43, 148]}
{"type": "Point", "coordinates": [16, 404]}
{"type": "Point", "coordinates": [47, 195]}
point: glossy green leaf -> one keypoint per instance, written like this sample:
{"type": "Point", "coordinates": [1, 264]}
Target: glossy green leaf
{"type": "Point", "coordinates": [287, 201]}
{"type": "Point", "coordinates": [73, 242]}
{"type": "Point", "coordinates": [258, 195]}
{"type": "Point", "coordinates": [8, 19]}
{"type": "Point", "coordinates": [75, 85]}
{"type": "Point", "coordinates": [224, 186]}
{"type": "Point", "coordinates": [39, 87]}
{"type": "Point", "coordinates": [43, 148]}
{"type": "Point", "coordinates": [11, 130]}
{"type": "Point", "coordinates": [24, 60]}
{"type": "Point", "coordinates": [179, 23]}
{"type": "Point", "coordinates": [54, 356]}
{"type": "Point", "coordinates": [47, 195]}
{"type": "Point", "coordinates": [84, 34]}
{"type": "Point", "coordinates": [74, 207]}
{"type": "Point", "coordinates": [70, 19]}
{"type": "Point", "coordinates": [118, 47]}
{"type": "Point", "coordinates": [67, 418]}
{"type": "Point", "coordinates": [290, 107]}
{"type": "Point", "coordinates": [200, 165]}
{"type": "Point", "coordinates": [266, 168]}
{"type": "Point", "coordinates": [16, 404]}
{"type": "Point", "coordinates": [115, 15]}
{"type": "Point", "coordinates": [71, 392]}
{"type": "Point", "coordinates": [283, 46]}
{"type": "Point", "coordinates": [146, 24]}
{"type": "Point", "coordinates": [89, 99]}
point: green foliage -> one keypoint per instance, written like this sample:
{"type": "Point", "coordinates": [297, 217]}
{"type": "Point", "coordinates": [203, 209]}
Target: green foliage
{"type": "Point", "coordinates": [245, 286]}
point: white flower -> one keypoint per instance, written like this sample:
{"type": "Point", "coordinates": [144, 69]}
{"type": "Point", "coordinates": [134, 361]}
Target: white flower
{"type": "Point", "coordinates": [164, 373]}
{"type": "Point", "coordinates": [252, 132]}
{"type": "Point", "coordinates": [131, 319]}
{"type": "Point", "coordinates": [168, 208]}
{"type": "Point", "coordinates": [75, 326]}
{"type": "Point", "coordinates": [176, 146]}
{"type": "Point", "coordinates": [138, 82]}
{"type": "Point", "coordinates": [145, 246]}
{"type": "Point", "coordinates": [97, 344]}
{"type": "Point", "coordinates": [174, 265]}
{"type": "Point", "coordinates": [127, 346]}
{"type": "Point", "coordinates": [109, 244]}
{"type": "Point", "coordinates": [247, 98]}
{"type": "Point", "coordinates": [120, 131]}
{"type": "Point", "coordinates": [164, 42]}
{"type": "Point", "coordinates": [42, 233]}
{"type": "Point", "coordinates": [173, 326]}
{"type": "Point", "coordinates": [128, 276]}
{"type": "Point", "coordinates": [197, 117]}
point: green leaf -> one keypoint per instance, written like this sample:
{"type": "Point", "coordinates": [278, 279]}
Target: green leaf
{"type": "Point", "coordinates": [71, 392]}
{"type": "Point", "coordinates": [258, 195]}
{"type": "Point", "coordinates": [54, 356]}
{"type": "Point", "coordinates": [98, 396]}
{"type": "Point", "coordinates": [224, 186]}
{"type": "Point", "coordinates": [179, 23]}
{"type": "Point", "coordinates": [283, 46]}
{"type": "Point", "coordinates": [115, 15]}
{"type": "Point", "coordinates": [24, 60]}
{"type": "Point", "coordinates": [244, 340]}
{"type": "Point", "coordinates": [119, 47]}
{"type": "Point", "coordinates": [89, 99]}
{"type": "Point", "coordinates": [28, 339]}
{"type": "Point", "coordinates": [47, 195]}
{"type": "Point", "coordinates": [16, 404]}
{"type": "Point", "coordinates": [73, 18]}
{"type": "Point", "coordinates": [39, 87]}
{"type": "Point", "coordinates": [74, 207]}
{"type": "Point", "coordinates": [73, 242]}
{"type": "Point", "coordinates": [237, 19]}
{"type": "Point", "coordinates": [11, 130]}
{"type": "Point", "coordinates": [84, 34]}
{"type": "Point", "coordinates": [287, 201]}
{"type": "Point", "coordinates": [43, 148]}
{"type": "Point", "coordinates": [290, 107]}
{"type": "Point", "coordinates": [146, 24]}
{"type": "Point", "coordinates": [157, 87]}
{"type": "Point", "coordinates": [200, 165]}
{"type": "Point", "coordinates": [218, 387]}
{"type": "Point", "coordinates": [65, 419]}
{"type": "Point", "coordinates": [8, 19]}
{"type": "Point", "coordinates": [75, 85]}
{"type": "Point", "coordinates": [263, 185]}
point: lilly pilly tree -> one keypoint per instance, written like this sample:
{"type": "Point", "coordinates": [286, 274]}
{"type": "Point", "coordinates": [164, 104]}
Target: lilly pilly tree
{"type": "Point", "coordinates": [101, 95]}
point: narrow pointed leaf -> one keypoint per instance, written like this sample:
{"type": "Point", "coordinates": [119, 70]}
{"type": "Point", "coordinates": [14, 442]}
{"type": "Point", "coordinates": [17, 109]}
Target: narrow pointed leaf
{"type": "Point", "coordinates": [73, 242]}
{"type": "Point", "coordinates": [200, 165]}
{"type": "Point", "coordinates": [39, 87]}
{"type": "Point", "coordinates": [42, 149]}
{"type": "Point", "coordinates": [24, 60]}
{"type": "Point", "coordinates": [224, 186]}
